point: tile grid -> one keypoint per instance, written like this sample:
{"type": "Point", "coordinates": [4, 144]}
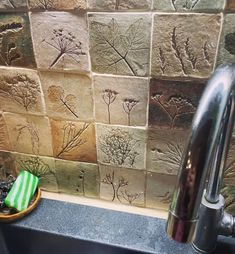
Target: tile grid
{"type": "Point", "coordinates": [119, 132]}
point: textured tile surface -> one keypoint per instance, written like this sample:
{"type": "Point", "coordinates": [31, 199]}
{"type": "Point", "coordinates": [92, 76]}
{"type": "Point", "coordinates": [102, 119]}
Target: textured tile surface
{"type": "Point", "coordinates": [7, 165]}
{"type": "Point", "coordinates": [177, 52]}
{"type": "Point", "coordinates": [229, 172]}
{"type": "Point", "coordinates": [165, 150]}
{"type": "Point", "coordinates": [226, 52]}
{"type": "Point", "coordinates": [43, 167]}
{"type": "Point", "coordinates": [121, 41]}
{"type": "Point", "coordinates": [121, 146]}
{"type": "Point", "coordinates": [121, 100]}
{"type": "Point", "coordinates": [159, 190]}
{"type": "Point", "coordinates": [13, 4]}
{"type": "Point", "coordinates": [20, 91]}
{"type": "Point", "coordinates": [78, 178]}
{"type": "Point", "coordinates": [173, 103]}
{"type": "Point", "coordinates": [122, 185]}
{"type": "Point", "coordinates": [15, 43]}
{"type": "Point", "coordinates": [119, 4]}
{"type": "Point", "coordinates": [188, 5]}
{"type": "Point", "coordinates": [67, 96]}
{"type": "Point", "coordinates": [74, 140]}
{"type": "Point", "coordinates": [29, 134]}
{"type": "Point", "coordinates": [231, 5]}
{"type": "Point", "coordinates": [4, 137]}
{"type": "Point", "coordinates": [57, 5]}
{"type": "Point", "coordinates": [60, 40]}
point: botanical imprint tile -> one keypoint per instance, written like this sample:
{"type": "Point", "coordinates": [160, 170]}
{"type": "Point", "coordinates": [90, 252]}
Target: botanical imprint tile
{"type": "Point", "coordinates": [74, 140]}
{"type": "Point", "coordinates": [13, 4]}
{"type": "Point", "coordinates": [121, 146]}
{"type": "Point", "coordinates": [20, 91]}
{"type": "Point", "coordinates": [188, 5]}
{"type": "Point", "coordinates": [78, 178]}
{"type": "Point", "coordinates": [165, 150]}
{"type": "Point", "coordinates": [173, 103]}
{"type": "Point", "coordinates": [60, 40]}
{"type": "Point", "coordinates": [67, 96]}
{"type": "Point", "coordinates": [15, 40]}
{"type": "Point", "coordinates": [177, 52]}
{"type": "Point", "coordinates": [226, 52]}
{"type": "Point", "coordinates": [229, 170]}
{"type": "Point", "coordinates": [122, 41]}
{"type": "Point", "coordinates": [43, 167]}
{"type": "Point", "coordinates": [230, 5]}
{"type": "Point", "coordinates": [57, 5]}
{"type": "Point", "coordinates": [119, 4]}
{"type": "Point", "coordinates": [122, 185]}
{"type": "Point", "coordinates": [4, 137]}
{"type": "Point", "coordinates": [228, 192]}
{"type": "Point", "coordinates": [121, 100]}
{"type": "Point", "coordinates": [29, 134]}
{"type": "Point", "coordinates": [159, 190]}
{"type": "Point", "coordinates": [7, 165]}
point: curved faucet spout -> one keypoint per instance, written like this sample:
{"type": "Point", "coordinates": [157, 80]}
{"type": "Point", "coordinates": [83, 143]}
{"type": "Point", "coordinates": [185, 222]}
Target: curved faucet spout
{"type": "Point", "coordinates": [204, 155]}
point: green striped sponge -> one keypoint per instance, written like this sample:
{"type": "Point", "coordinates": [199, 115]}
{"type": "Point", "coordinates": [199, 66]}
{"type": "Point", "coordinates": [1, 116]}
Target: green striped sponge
{"type": "Point", "coordinates": [22, 191]}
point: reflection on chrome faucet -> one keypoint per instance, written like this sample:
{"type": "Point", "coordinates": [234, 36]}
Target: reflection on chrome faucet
{"type": "Point", "coordinates": [197, 210]}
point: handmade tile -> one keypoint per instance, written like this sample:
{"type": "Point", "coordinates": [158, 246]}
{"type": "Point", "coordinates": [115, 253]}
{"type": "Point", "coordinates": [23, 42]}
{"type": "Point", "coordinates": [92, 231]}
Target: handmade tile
{"type": "Point", "coordinates": [165, 150]}
{"type": "Point", "coordinates": [20, 91]}
{"type": "Point", "coordinates": [230, 5]}
{"type": "Point", "coordinates": [189, 5]}
{"type": "Point", "coordinates": [122, 41]}
{"type": "Point", "coordinates": [43, 167]}
{"type": "Point", "coordinates": [122, 185]}
{"type": "Point", "coordinates": [121, 100]}
{"type": "Point", "coordinates": [29, 134]}
{"type": "Point", "coordinates": [74, 140]}
{"type": "Point", "coordinates": [60, 40]}
{"type": "Point", "coordinates": [7, 165]}
{"type": "Point", "coordinates": [68, 96]}
{"type": "Point", "coordinates": [173, 103]}
{"type": "Point", "coordinates": [159, 190]}
{"type": "Point", "coordinates": [226, 52]}
{"type": "Point", "coordinates": [15, 41]}
{"type": "Point", "coordinates": [4, 137]}
{"type": "Point", "coordinates": [13, 4]}
{"type": "Point", "coordinates": [229, 171]}
{"type": "Point", "coordinates": [228, 191]}
{"type": "Point", "coordinates": [57, 5]}
{"type": "Point", "coordinates": [177, 52]}
{"type": "Point", "coordinates": [78, 178]}
{"type": "Point", "coordinates": [121, 146]}
{"type": "Point", "coordinates": [119, 4]}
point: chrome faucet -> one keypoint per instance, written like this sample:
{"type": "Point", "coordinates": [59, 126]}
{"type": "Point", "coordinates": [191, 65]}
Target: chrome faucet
{"type": "Point", "coordinates": [197, 210]}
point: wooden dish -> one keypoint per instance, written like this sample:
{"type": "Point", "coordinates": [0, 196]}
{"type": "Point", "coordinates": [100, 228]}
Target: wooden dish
{"type": "Point", "coordinates": [18, 215]}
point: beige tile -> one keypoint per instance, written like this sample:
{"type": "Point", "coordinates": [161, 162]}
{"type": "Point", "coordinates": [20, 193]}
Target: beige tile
{"type": "Point", "coordinates": [60, 40]}
{"type": "Point", "coordinates": [228, 191]}
{"type": "Point", "coordinates": [121, 146]}
{"type": "Point", "coordinates": [165, 150]}
{"type": "Point", "coordinates": [78, 178]}
{"type": "Point", "coordinates": [29, 134]}
{"type": "Point", "coordinates": [67, 96]}
{"type": "Point", "coordinates": [120, 100]}
{"type": "Point", "coordinates": [122, 185]}
{"type": "Point", "coordinates": [20, 91]}
{"type": "Point", "coordinates": [177, 52]}
{"type": "Point", "coordinates": [7, 165]}
{"type": "Point", "coordinates": [74, 140]}
{"type": "Point", "coordinates": [43, 167]}
{"type": "Point", "coordinates": [229, 171]}
{"type": "Point", "coordinates": [57, 5]}
{"type": "Point", "coordinates": [159, 190]}
{"type": "Point", "coordinates": [13, 4]}
{"type": "Point", "coordinates": [4, 137]}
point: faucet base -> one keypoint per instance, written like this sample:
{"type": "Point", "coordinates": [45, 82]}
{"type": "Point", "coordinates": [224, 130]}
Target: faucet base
{"type": "Point", "coordinates": [197, 250]}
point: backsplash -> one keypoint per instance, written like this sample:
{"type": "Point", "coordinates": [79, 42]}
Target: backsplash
{"type": "Point", "coordinates": [97, 97]}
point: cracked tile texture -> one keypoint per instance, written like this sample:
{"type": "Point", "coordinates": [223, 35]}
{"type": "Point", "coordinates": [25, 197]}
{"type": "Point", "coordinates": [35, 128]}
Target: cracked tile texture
{"type": "Point", "coordinates": [97, 96]}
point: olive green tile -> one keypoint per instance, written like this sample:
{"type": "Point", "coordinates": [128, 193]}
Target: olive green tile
{"type": "Point", "coordinates": [122, 185]}
{"type": "Point", "coordinates": [228, 191]}
{"type": "Point", "coordinates": [77, 178]}
{"type": "Point", "coordinates": [229, 171]}
{"type": "Point", "coordinates": [7, 165]}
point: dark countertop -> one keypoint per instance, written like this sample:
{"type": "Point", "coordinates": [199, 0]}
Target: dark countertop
{"type": "Point", "coordinates": [131, 231]}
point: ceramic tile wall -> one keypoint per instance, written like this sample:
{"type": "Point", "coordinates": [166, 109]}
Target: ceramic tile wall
{"type": "Point", "coordinates": [97, 96]}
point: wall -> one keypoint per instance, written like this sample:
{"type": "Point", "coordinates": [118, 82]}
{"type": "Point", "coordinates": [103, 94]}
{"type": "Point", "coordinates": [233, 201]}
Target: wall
{"type": "Point", "coordinates": [97, 97]}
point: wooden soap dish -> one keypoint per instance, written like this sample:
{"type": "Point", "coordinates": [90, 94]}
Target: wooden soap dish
{"type": "Point", "coordinates": [13, 215]}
